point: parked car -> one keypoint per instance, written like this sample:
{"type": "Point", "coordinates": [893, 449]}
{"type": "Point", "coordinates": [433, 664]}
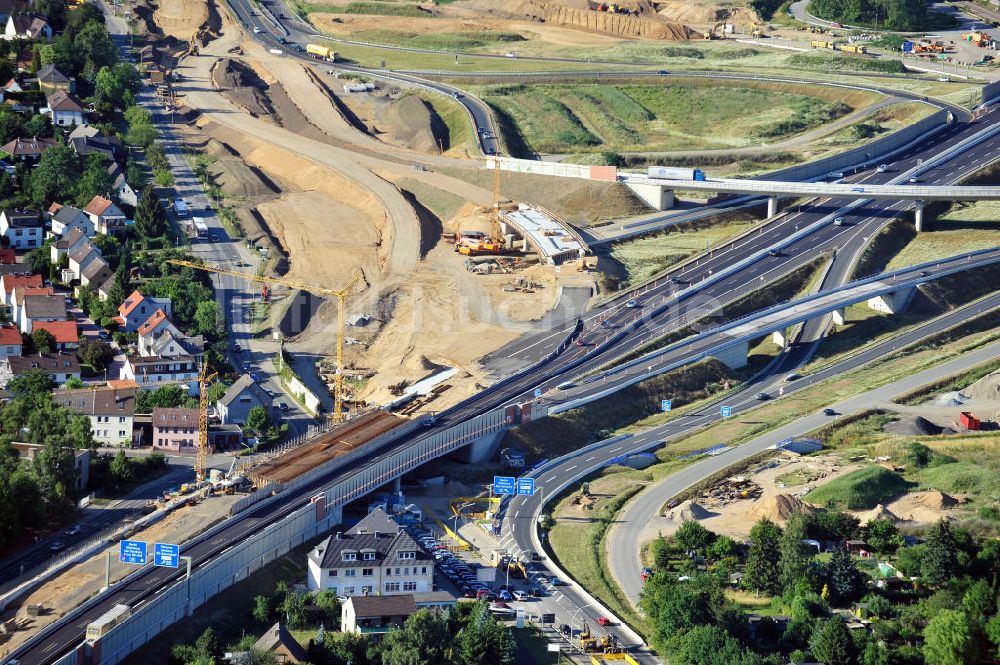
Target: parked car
{"type": "Point", "coordinates": [520, 595]}
{"type": "Point", "coordinates": [57, 546]}
{"type": "Point", "coordinates": [282, 406]}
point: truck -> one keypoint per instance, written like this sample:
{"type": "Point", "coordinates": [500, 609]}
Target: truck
{"type": "Point", "coordinates": [671, 173]}
{"type": "Point", "coordinates": [322, 52]}
{"type": "Point", "coordinates": [100, 626]}
{"type": "Point", "coordinates": [180, 207]}
{"type": "Point", "coordinates": [854, 48]}
{"type": "Point", "coordinates": [821, 44]}
{"type": "Point", "coordinates": [200, 227]}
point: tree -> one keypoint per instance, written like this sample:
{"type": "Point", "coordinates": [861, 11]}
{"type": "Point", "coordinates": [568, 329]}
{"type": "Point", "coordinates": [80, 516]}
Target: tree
{"type": "Point", "coordinates": [43, 341]}
{"type": "Point", "coordinates": [327, 603]}
{"type": "Point", "coordinates": [96, 353]}
{"type": "Point", "coordinates": [424, 639]}
{"type": "Point", "coordinates": [208, 319]}
{"type": "Point", "coordinates": [979, 602]}
{"type": "Point", "coordinates": [257, 420]}
{"type": "Point", "coordinates": [882, 535]}
{"type": "Point", "coordinates": [723, 547]}
{"type": "Point", "coordinates": [993, 633]}
{"type": "Point", "coordinates": [54, 12]}
{"type": "Point", "coordinates": [94, 180]}
{"type": "Point", "coordinates": [831, 643]}
{"type": "Point", "coordinates": [261, 608]}
{"type": "Point", "coordinates": [675, 607]}
{"type": "Point", "coordinates": [692, 536]}
{"type": "Point", "coordinates": [216, 390]}
{"type": "Point", "coordinates": [940, 561]}
{"type": "Point", "coordinates": [710, 645]}
{"type": "Point", "coordinates": [208, 644]}
{"type": "Point", "coordinates": [294, 609]}
{"type": "Point", "coordinates": [910, 560]}
{"type": "Point", "coordinates": [763, 568]}
{"type": "Point", "coordinates": [121, 468]}
{"type": "Point", "coordinates": [875, 653]}
{"type": "Point", "coordinates": [150, 218]}
{"type": "Point", "coordinates": [846, 582]}
{"type": "Point", "coordinates": [484, 642]}
{"type": "Point", "coordinates": [74, 383]}
{"type": "Point", "coordinates": [796, 556]}
{"type": "Point", "coordinates": [948, 639]}
{"type": "Point", "coordinates": [56, 175]}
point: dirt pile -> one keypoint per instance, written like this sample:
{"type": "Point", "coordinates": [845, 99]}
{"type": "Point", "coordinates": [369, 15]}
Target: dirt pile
{"type": "Point", "coordinates": [688, 511]}
{"type": "Point", "coordinates": [707, 14]}
{"type": "Point", "coordinates": [413, 124]}
{"type": "Point", "coordinates": [913, 426]}
{"type": "Point", "coordinates": [243, 87]}
{"type": "Point", "coordinates": [780, 507]}
{"type": "Point", "coordinates": [879, 512]}
{"type": "Point", "coordinates": [642, 21]}
{"type": "Point", "coordinates": [922, 507]}
{"type": "Point", "coordinates": [182, 19]}
{"type": "Point", "coordinates": [987, 387]}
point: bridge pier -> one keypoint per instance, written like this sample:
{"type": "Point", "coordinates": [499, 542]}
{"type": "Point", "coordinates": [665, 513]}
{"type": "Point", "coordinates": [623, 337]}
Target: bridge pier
{"type": "Point", "coordinates": [482, 448]}
{"type": "Point", "coordinates": [657, 196]}
{"type": "Point", "coordinates": [918, 215]}
{"type": "Point", "coordinates": [734, 357]}
{"type": "Point", "coordinates": [893, 303]}
{"type": "Point", "coordinates": [779, 338]}
{"type": "Point", "coordinates": [772, 206]}
{"type": "Point", "coordinates": [838, 316]}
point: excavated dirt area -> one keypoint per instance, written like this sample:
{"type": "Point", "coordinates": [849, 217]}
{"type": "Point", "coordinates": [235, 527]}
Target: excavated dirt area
{"type": "Point", "coordinates": [398, 119]}
{"type": "Point", "coordinates": [181, 19]}
{"type": "Point", "coordinates": [69, 589]}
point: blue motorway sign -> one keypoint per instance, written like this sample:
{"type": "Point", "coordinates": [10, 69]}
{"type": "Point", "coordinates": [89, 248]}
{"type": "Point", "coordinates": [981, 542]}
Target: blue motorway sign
{"type": "Point", "coordinates": [727, 411]}
{"type": "Point", "coordinates": [165, 554]}
{"type": "Point", "coordinates": [538, 392]}
{"type": "Point", "coordinates": [132, 551]}
{"type": "Point", "coordinates": [907, 47]}
{"type": "Point", "coordinates": [525, 486]}
{"type": "Point", "coordinates": [665, 404]}
{"type": "Point", "coordinates": [503, 485]}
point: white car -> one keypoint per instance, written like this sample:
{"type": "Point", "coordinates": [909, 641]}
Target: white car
{"type": "Point", "coordinates": [519, 595]}
{"type": "Point", "coordinates": [839, 221]}
{"type": "Point", "coordinates": [631, 304]}
{"type": "Point", "coordinates": [257, 30]}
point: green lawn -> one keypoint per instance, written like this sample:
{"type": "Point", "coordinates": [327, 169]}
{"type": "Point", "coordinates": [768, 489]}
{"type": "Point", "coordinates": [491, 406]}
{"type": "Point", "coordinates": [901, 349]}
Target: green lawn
{"type": "Point", "coordinates": [562, 118]}
{"type": "Point", "coordinates": [859, 490]}
{"type": "Point", "coordinates": [965, 228]}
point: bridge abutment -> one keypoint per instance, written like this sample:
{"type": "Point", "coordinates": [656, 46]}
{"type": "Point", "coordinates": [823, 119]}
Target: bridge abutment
{"type": "Point", "coordinates": [893, 303]}
{"type": "Point", "coordinates": [657, 196]}
{"type": "Point", "coordinates": [734, 357]}
{"type": "Point", "coordinates": [839, 316]}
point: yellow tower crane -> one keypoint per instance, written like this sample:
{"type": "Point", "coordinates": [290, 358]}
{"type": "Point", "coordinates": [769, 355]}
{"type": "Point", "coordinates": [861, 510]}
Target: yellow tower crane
{"type": "Point", "coordinates": [340, 295]}
{"type": "Point", "coordinates": [204, 378]}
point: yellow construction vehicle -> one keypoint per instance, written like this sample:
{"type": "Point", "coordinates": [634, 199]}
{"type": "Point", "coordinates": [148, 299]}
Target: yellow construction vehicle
{"type": "Point", "coordinates": [587, 642]}
{"type": "Point", "coordinates": [340, 295]}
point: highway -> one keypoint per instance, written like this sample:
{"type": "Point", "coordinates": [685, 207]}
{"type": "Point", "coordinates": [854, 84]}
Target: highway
{"type": "Point", "coordinates": [615, 316]}
{"type": "Point", "coordinates": [521, 513]}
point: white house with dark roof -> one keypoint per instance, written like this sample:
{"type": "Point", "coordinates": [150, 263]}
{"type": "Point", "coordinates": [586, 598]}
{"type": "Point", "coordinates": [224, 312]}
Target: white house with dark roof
{"type": "Point", "coordinates": [243, 395]}
{"type": "Point", "coordinates": [152, 372]}
{"type": "Point", "coordinates": [40, 307]}
{"type": "Point", "coordinates": [23, 229]}
{"type": "Point", "coordinates": [64, 218]}
{"type": "Point", "coordinates": [375, 557]}
{"type": "Point", "coordinates": [60, 366]}
{"type": "Point", "coordinates": [96, 273]}
{"type": "Point", "coordinates": [123, 191]}
{"type": "Point", "coordinates": [111, 412]}
{"type": "Point", "coordinates": [66, 109]}
{"type": "Point", "coordinates": [81, 257]}
{"type": "Point", "coordinates": [27, 26]}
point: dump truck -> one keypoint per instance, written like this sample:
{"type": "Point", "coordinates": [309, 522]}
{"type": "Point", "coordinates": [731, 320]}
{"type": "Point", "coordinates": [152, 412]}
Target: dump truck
{"type": "Point", "coordinates": [854, 48]}
{"type": "Point", "coordinates": [322, 52]}
{"type": "Point", "coordinates": [821, 44]}
{"type": "Point", "coordinates": [103, 624]}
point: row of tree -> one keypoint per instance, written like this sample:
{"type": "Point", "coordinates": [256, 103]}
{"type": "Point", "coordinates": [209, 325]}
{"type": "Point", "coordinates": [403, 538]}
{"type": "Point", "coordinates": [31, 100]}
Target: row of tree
{"type": "Point", "coordinates": [883, 14]}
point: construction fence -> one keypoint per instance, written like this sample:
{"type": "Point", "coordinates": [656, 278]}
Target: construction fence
{"type": "Point", "coordinates": [558, 169]}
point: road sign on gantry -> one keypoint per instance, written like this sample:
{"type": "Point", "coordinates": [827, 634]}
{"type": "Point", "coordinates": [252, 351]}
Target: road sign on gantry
{"type": "Point", "coordinates": [665, 404]}
{"type": "Point", "coordinates": [165, 554]}
{"type": "Point", "coordinates": [503, 485]}
{"type": "Point", "coordinates": [525, 486]}
{"type": "Point", "coordinates": [132, 551]}
{"type": "Point", "coordinates": [538, 392]}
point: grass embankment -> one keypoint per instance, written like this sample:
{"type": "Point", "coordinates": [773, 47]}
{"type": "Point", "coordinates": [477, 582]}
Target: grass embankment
{"type": "Point", "coordinates": [634, 261]}
{"type": "Point", "coordinates": [461, 136]}
{"type": "Point", "coordinates": [965, 227]}
{"type": "Point", "coordinates": [443, 204]}
{"type": "Point", "coordinates": [882, 121]}
{"type": "Point", "coordinates": [562, 118]}
{"type": "Point", "coordinates": [859, 490]}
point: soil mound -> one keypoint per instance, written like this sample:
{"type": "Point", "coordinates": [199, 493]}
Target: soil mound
{"type": "Point", "coordinates": [413, 124]}
{"type": "Point", "coordinates": [987, 387]}
{"type": "Point", "coordinates": [922, 507]}
{"type": "Point", "coordinates": [780, 507]}
{"type": "Point", "coordinates": [950, 399]}
{"type": "Point", "coordinates": [243, 87]}
{"type": "Point", "coordinates": [879, 512]}
{"type": "Point", "coordinates": [913, 426]}
{"type": "Point", "coordinates": [642, 20]}
{"type": "Point", "coordinates": [688, 511]}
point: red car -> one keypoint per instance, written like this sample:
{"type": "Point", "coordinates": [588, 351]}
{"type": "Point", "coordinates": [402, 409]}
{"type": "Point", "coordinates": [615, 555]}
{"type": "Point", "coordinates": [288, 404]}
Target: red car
{"type": "Point", "coordinates": [603, 621]}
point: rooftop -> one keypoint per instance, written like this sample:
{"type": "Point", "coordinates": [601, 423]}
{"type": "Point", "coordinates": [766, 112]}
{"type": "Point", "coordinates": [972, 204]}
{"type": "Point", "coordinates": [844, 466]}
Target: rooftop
{"type": "Point", "coordinates": [64, 332]}
{"type": "Point", "coordinates": [551, 238]}
{"type": "Point", "coordinates": [50, 362]}
{"type": "Point", "coordinates": [60, 100]}
{"type": "Point", "coordinates": [97, 401]}
{"type": "Point", "coordinates": [383, 606]}
{"type": "Point", "coordinates": [28, 147]}
{"type": "Point", "coordinates": [163, 417]}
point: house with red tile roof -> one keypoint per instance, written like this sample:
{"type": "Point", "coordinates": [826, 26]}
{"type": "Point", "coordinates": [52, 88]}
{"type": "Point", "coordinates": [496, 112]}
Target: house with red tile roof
{"type": "Point", "coordinates": [10, 341]}
{"type": "Point", "coordinates": [66, 333]}
{"type": "Point", "coordinates": [10, 282]}
{"type": "Point", "coordinates": [155, 324]}
{"type": "Point", "coordinates": [137, 309]}
{"type": "Point", "coordinates": [105, 215]}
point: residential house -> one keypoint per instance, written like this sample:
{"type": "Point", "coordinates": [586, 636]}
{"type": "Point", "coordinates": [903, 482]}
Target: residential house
{"type": "Point", "coordinates": [65, 218]}
{"type": "Point", "coordinates": [27, 26]}
{"type": "Point", "coordinates": [73, 240]}
{"type": "Point", "coordinates": [243, 395]}
{"type": "Point", "coordinates": [11, 7]}
{"type": "Point", "coordinates": [106, 216]}
{"type": "Point", "coordinates": [86, 145]}
{"type": "Point", "coordinates": [376, 556]}
{"type": "Point", "coordinates": [111, 412]}
{"type": "Point", "coordinates": [175, 430]}
{"type": "Point", "coordinates": [51, 79]}
{"type": "Point", "coordinates": [13, 85]}
{"type": "Point", "coordinates": [66, 109]}
{"type": "Point", "coordinates": [65, 333]}
{"type": "Point", "coordinates": [60, 366]}
{"type": "Point", "coordinates": [10, 341]}
{"type": "Point", "coordinates": [151, 372]}
{"type": "Point", "coordinates": [123, 191]}
{"type": "Point", "coordinates": [224, 437]}
{"type": "Point", "coordinates": [23, 229]}
{"type": "Point", "coordinates": [39, 307]}
{"type": "Point", "coordinates": [81, 460]}
{"type": "Point", "coordinates": [7, 256]}
{"type": "Point", "coordinates": [81, 257]}
{"type": "Point", "coordinates": [104, 290]}
{"type": "Point", "coordinates": [28, 149]}
{"type": "Point", "coordinates": [282, 644]}
{"type": "Point", "coordinates": [155, 324]}
{"type": "Point", "coordinates": [375, 615]}
{"type": "Point", "coordinates": [96, 273]}
{"type": "Point", "coordinates": [137, 308]}
{"type": "Point", "coordinates": [10, 282]}
{"type": "Point", "coordinates": [171, 342]}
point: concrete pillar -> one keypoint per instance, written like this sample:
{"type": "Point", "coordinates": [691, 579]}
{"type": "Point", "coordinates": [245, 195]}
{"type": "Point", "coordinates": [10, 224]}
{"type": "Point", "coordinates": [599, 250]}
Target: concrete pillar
{"type": "Point", "coordinates": [657, 196]}
{"type": "Point", "coordinates": [772, 206]}
{"type": "Point", "coordinates": [397, 485]}
{"type": "Point", "coordinates": [734, 357]}
{"type": "Point", "coordinates": [838, 317]}
{"type": "Point", "coordinates": [918, 215]}
{"type": "Point", "coordinates": [482, 449]}
{"type": "Point", "coordinates": [893, 303]}
{"type": "Point", "coordinates": [779, 338]}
